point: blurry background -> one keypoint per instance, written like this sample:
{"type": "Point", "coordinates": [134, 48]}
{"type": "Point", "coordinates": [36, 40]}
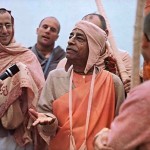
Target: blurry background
{"type": "Point", "coordinates": [29, 13]}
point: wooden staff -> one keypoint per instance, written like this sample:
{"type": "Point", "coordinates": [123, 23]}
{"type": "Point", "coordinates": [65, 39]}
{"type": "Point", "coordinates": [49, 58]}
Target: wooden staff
{"type": "Point", "coordinates": [121, 68]}
{"type": "Point", "coordinates": [138, 30]}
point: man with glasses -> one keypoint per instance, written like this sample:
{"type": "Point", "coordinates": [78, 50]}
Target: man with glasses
{"type": "Point", "coordinates": [18, 93]}
{"type": "Point", "coordinates": [6, 28]}
{"type": "Point", "coordinates": [45, 50]}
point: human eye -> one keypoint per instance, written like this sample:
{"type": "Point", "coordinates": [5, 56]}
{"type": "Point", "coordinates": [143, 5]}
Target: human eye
{"type": "Point", "coordinates": [80, 38]}
{"type": "Point", "coordinates": [8, 26]}
{"type": "Point", "coordinates": [1, 26]}
{"type": "Point", "coordinates": [45, 26]}
{"type": "Point", "coordinates": [53, 29]}
{"type": "Point", "coordinates": [71, 35]}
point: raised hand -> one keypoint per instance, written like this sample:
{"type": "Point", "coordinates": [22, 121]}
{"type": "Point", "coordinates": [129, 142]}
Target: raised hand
{"type": "Point", "coordinates": [40, 118]}
{"type": "Point", "coordinates": [127, 85]}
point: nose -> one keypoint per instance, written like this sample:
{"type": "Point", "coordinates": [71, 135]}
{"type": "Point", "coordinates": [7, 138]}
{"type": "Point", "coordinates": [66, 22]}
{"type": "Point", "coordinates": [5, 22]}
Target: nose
{"type": "Point", "coordinates": [71, 40]}
{"type": "Point", "coordinates": [48, 29]}
{"type": "Point", "coordinates": [3, 29]}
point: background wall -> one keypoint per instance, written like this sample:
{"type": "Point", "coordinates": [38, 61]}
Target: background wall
{"type": "Point", "coordinates": [28, 14]}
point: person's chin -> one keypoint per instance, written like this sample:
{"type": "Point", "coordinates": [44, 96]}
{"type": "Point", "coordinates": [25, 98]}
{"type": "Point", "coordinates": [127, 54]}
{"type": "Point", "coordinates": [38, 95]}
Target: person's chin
{"type": "Point", "coordinates": [70, 56]}
{"type": "Point", "coordinates": [5, 42]}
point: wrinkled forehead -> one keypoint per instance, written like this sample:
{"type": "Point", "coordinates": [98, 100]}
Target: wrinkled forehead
{"type": "Point", "coordinates": [91, 30]}
{"type": "Point", "coordinates": [77, 31]}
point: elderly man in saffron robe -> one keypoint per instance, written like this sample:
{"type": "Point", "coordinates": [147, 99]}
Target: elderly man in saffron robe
{"type": "Point", "coordinates": [80, 101]}
{"type": "Point", "coordinates": [110, 61]}
{"type": "Point", "coordinates": [18, 93]}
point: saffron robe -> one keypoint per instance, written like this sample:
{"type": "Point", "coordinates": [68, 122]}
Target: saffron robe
{"type": "Point", "coordinates": [56, 86]}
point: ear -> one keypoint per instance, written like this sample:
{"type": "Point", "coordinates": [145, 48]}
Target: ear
{"type": "Point", "coordinates": [107, 32]}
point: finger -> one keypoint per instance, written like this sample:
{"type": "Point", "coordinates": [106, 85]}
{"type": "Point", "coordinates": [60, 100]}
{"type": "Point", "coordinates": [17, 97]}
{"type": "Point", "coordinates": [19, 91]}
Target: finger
{"type": "Point", "coordinates": [127, 88]}
{"type": "Point", "coordinates": [52, 120]}
{"type": "Point", "coordinates": [32, 116]}
{"type": "Point", "coordinates": [127, 81]}
{"type": "Point", "coordinates": [43, 120]}
{"type": "Point", "coordinates": [36, 122]}
{"type": "Point", "coordinates": [46, 121]}
{"type": "Point", "coordinates": [33, 112]}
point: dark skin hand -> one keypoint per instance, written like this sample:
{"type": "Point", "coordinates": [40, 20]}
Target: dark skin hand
{"type": "Point", "coordinates": [40, 118]}
{"type": "Point", "coordinates": [100, 143]}
{"type": "Point", "coordinates": [127, 85]}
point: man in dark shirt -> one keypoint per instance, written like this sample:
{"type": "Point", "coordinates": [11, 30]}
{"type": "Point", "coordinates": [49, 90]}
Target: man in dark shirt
{"type": "Point", "coordinates": [45, 50]}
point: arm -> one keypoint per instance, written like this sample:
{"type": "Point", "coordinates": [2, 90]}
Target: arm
{"type": "Point", "coordinates": [119, 93]}
{"type": "Point", "coordinates": [127, 60]}
{"type": "Point", "coordinates": [44, 117]}
{"type": "Point", "coordinates": [130, 129]}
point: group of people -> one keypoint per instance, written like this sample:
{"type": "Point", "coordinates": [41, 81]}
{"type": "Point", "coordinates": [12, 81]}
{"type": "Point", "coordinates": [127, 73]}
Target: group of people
{"type": "Point", "coordinates": [71, 100]}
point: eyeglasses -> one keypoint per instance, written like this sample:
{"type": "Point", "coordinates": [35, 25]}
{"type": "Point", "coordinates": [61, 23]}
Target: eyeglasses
{"type": "Point", "coordinates": [8, 26]}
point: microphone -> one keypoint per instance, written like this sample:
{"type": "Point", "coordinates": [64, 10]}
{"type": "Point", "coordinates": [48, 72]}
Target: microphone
{"type": "Point", "coordinates": [12, 70]}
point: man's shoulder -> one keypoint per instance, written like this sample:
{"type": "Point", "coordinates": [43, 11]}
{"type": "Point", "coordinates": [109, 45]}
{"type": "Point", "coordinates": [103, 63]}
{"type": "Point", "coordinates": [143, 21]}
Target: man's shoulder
{"type": "Point", "coordinates": [115, 78]}
{"type": "Point", "coordinates": [58, 73]}
{"type": "Point", "coordinates": [31, 47]}
{"type": "Point", "coordinates": [59, 49]}
{"type": "Point", "coordinates": [123, 53]}
{"type": "Point", "coordinates": [58, 53]}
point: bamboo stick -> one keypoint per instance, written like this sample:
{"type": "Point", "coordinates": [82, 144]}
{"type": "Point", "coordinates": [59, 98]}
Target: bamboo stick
{"type": "Point", "coordinates": [135, 78]}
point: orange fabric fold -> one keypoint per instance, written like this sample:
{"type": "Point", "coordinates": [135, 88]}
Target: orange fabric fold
{"type": "Point", "coordinates": [102, 112]}
{"type": "Point", "coordinates": [146, 71]}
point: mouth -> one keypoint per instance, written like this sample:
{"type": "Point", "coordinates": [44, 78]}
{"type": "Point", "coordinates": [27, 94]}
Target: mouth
{"type": "Point", "coordinates": [4, 37]}
{"type": "Point", "coordinates": [69, 49]}
{"type": "Point", "coordinates": [70, 52]}
{"type": "Point", "coordinates": [45, 37]}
